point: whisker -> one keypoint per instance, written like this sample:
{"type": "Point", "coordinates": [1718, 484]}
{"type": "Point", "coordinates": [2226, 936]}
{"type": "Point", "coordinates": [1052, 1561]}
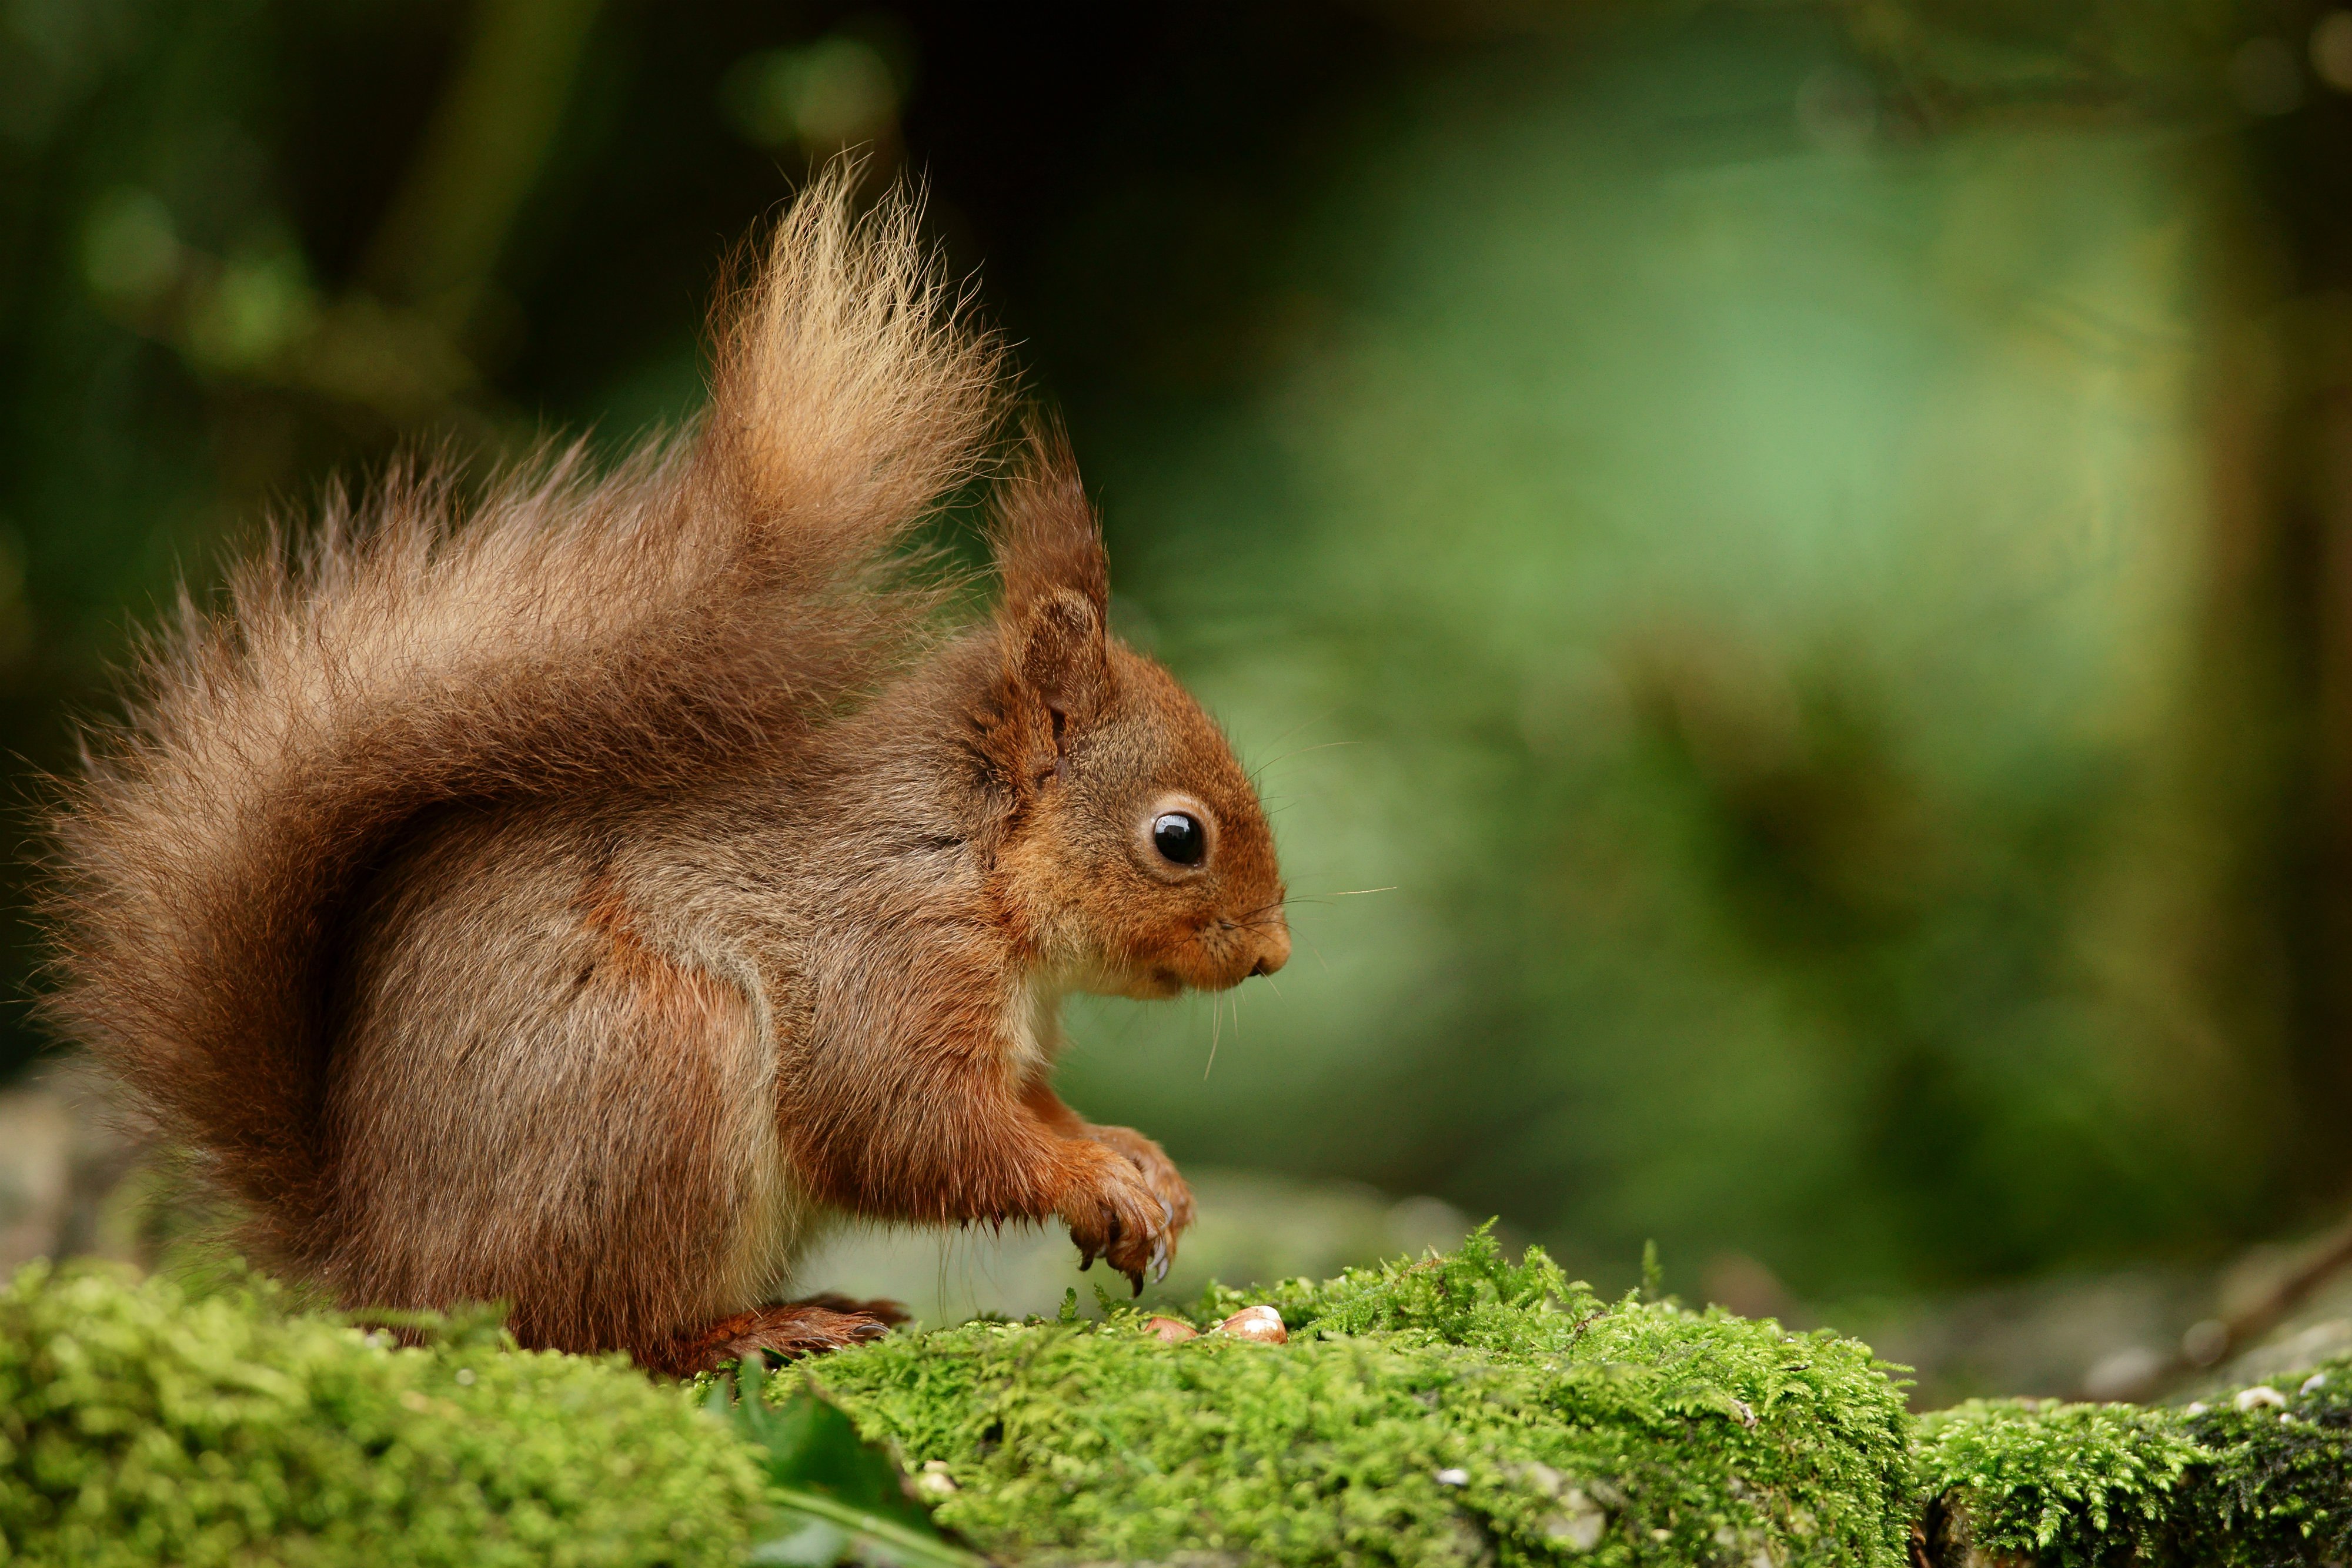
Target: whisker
{"type": "Point", "coordinates": [1257, 776]}
{"type": "Point", "coordinates": [1303, 723]}
{"type": "Point", "coordinates": [1286, 734]}
{"type": "Point", "coordinates": [1302, 751]}
{"type": "Point", "coordinates": [1216, 1027]}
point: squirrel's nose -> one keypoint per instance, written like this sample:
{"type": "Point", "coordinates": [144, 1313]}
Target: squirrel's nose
{"type": "Point", "coordinates": [1275, 950]}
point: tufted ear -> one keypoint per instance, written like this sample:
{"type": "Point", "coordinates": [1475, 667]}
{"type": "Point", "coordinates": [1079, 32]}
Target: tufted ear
{"type": "Point", "coordinates": [1049, 554]}
{"type": "Point", "coordinates": [1046, 539]}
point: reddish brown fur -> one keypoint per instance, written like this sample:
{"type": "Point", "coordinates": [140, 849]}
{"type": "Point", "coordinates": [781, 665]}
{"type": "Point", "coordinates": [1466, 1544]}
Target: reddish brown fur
{"type": "Point", "coordinates": [791, 1328]}
{"type": "Point", "coordinates": [572, 902]}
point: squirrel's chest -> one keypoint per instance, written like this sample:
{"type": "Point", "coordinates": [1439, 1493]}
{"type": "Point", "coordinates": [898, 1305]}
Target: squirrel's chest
{"type": "Point", "coordinates": [1031, 1030]}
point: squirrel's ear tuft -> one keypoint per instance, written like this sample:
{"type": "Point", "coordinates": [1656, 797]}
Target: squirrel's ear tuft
{"type": "Point", "coordinates": [1046, 538]}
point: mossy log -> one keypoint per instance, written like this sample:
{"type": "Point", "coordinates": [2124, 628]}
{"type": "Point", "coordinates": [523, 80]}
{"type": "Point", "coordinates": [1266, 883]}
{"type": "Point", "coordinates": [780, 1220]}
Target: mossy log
{"type": "Point", "coordinates": [1462, 1409]}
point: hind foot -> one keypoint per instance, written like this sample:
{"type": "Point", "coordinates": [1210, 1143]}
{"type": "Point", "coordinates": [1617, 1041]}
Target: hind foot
{"type": "Point", "coordinates": [788, 1330]}
{"type": "Point", "coordinates": [886, 1312]}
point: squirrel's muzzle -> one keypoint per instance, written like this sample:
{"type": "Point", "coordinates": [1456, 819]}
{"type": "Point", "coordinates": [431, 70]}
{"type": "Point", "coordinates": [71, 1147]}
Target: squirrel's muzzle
{"type": "Point", "coordinates": [1273, 948]}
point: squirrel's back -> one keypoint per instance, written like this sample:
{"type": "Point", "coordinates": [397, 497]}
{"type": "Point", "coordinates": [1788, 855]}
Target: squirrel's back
{"type": "Point", "coordinates": [568, 639]}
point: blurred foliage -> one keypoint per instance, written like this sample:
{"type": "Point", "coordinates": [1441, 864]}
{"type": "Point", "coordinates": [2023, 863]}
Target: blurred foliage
{"type": "Point", "coordinates": [1827, 685]}
{"type": "Point", "coordinates": [1792, 545]}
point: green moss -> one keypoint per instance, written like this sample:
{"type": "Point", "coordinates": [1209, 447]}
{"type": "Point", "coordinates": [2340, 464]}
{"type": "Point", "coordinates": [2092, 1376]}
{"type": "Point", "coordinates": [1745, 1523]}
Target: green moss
{"type": "Point", "coordinates": [139, 1426]}
{"type": "Point", "coordinates": [1461, 1409]}
{"type": "Point", "coordinates": [2040, 1477]}
{"type": "Point", "coordinates": [1455, 1410]}
{"type": "Point", "coordinates": [2247, 1481]}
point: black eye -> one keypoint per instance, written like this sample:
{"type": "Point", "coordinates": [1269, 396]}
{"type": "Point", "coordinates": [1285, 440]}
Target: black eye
{"type": "Point", "coordinates": [1180, 838]}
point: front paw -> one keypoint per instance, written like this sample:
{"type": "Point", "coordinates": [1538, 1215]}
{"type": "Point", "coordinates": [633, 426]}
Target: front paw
{"type": "Point", "coordinates": [1159, 1174]}
{"type": "Point", "coordinates": [1113, 1212]}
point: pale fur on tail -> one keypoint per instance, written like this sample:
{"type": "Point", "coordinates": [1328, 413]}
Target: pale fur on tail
{"type": "Point", "coordinates": [568, 635]}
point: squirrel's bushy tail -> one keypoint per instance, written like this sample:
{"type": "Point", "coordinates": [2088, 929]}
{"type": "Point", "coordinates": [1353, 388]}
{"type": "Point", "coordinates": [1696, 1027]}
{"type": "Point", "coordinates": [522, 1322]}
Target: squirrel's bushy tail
{"type": "Point", "coordinates": [570, 636]}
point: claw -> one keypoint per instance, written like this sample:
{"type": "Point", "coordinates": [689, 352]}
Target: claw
{"type": "Point", "coordinates": [1167, 1214]}
{"type": "Point", "coordinates": [1136, 1280]}
{"type": "Point", "coordinates": [1159, 1260]}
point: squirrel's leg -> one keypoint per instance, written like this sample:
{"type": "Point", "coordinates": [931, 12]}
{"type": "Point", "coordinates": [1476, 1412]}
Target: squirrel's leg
{"type": "Point", "coordinates": [930, 1127]}
{"type": "Point", "coordinates": [535, 1103]}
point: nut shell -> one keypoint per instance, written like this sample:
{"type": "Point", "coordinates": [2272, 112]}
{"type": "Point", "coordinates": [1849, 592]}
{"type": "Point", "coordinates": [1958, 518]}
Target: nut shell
{"type": "Point", "coordinates": [1172, 1330]}
{"type": "Point", "coordinates": [1260, 1325]}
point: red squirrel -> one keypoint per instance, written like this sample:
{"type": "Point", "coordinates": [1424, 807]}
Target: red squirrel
{"type": "Point", "coordinates": [575, 898]}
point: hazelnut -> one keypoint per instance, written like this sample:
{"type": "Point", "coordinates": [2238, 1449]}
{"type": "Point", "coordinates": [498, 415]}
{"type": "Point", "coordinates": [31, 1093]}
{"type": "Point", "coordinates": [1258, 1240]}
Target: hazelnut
{"type": "Point", "coordinates": [1172, 1329]}
{"type": "Point", "coordinates": [1260, 1324]}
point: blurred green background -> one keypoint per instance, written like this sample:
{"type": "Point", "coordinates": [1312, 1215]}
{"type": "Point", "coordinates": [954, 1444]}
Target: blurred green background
{"type": "Point", "coordinates": [1783, 563]}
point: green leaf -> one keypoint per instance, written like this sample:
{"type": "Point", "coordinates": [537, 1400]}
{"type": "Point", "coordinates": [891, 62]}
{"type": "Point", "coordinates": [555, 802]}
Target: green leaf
{"type": "Point", "coordinates": [870, 1537]}
{"type": "Point", "coordinates": [837, 1498]}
